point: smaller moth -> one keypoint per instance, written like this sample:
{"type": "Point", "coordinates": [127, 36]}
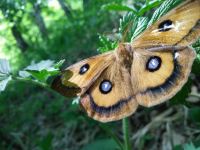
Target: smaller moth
{"type": "Point", "coordinates": [147, 71]}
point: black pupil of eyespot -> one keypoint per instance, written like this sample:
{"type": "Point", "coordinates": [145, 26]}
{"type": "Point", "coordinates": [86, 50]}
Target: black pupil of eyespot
{"type": "Point", "coordinates": [165, 25]}
{"type": "Point", "coordinates": [84, 69]}
{"type": "Point", "coordinates": [153, 63]}
{"type": "Point", "coordinates": [105, 86]}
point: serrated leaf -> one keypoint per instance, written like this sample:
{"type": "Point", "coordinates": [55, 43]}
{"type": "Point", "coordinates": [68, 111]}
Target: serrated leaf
{"type": "Point", "coordinates": [148, 6]}
{"type": "Point", "coordinates": [42, 75]}
{"type": "Point", "coordinates": [41, 71]}
{"type": "Point", "coordinates": [3, 83]}
{"type": "Point", "coordinates": [126, 21]}
{"type": "Point", "coordinates": [42, 65]}
{"type": "Point", "coordinates": [140, 27]}
{"type": "Point", "coordinates": [118, 7]}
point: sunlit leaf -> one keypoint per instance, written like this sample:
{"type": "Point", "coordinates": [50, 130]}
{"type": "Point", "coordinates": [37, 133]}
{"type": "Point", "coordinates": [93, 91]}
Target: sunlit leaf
{"type": "Point", "coordinates": [118, 7]}
{"type": "Point", "coordinates": [43, 65]}
{"type": "Point", "coordinates": [3, 83]}
{"type": "Point", "coordinates": [4, 74]}
{"type": "Point", "coordinates": [4, 67]}
{"type": "Point", "coordinates": [41, 71]}
{"type": "Point", "coordinates": [148, 6]}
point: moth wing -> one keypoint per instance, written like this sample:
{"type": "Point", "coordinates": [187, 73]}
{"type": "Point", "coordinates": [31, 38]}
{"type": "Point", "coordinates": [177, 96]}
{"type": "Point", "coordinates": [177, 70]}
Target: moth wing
{"type": "Point", "coordinates": [77, 78]}
{"type": "Point", "coordinates": [181, 26]}
{"type": "Point", "coordinates": [155, 87]}
{"type": "Point", "coordinates": [118, 102]}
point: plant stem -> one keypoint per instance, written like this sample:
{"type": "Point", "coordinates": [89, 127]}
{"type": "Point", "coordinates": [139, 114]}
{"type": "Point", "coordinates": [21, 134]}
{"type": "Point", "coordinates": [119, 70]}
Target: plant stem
{"type": "Point", "coordinates": [125, 126]}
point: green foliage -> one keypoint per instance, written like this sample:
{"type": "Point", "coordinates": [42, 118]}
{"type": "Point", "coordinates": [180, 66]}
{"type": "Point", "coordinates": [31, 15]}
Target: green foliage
{"type": "Point", "coordinates": [42, 70]}
{"type": "Point", "coordinates": [118, 7]}
{"type": "Point", "coordinates": [106, 44]}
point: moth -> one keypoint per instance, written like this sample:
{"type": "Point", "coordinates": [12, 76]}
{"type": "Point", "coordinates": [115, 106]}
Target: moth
{"type": "Point", "coordinates": [147, 71]}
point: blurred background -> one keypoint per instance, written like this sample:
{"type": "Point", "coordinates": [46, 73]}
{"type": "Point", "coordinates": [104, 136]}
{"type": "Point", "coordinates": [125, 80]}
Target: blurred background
{"type": "Point", "coordinates": [34, 118]}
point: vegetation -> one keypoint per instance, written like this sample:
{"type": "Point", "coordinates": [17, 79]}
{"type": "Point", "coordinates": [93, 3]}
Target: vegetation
{"type": "Point", "coordinates": [43, 34]}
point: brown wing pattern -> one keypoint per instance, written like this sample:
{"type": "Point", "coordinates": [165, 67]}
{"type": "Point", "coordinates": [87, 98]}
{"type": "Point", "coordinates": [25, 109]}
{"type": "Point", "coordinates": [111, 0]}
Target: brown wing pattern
{"type": "Point", "coordinates": [80, 76]}
{"type": "Point", "coordinates": [115, 104]}
{"type": "Point", "coordinates": [158, 86]}
{"type": "Point", "coordinates": [181, 26]}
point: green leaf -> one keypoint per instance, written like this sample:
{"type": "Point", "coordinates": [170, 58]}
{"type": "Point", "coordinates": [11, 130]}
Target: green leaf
{"type": "Point", "coordinates": [4, 67]}
{"type": "Point", "coordinates": [128, 25]}
{"type": "Point", "coordinates": [24, 74]}
{"type": "Point", "coordinates": [43, 65]}
{"type": "Point", "coordinates": [59, 64]}
{"type": "Point", "coordinates": [3, 83]}
{"type": "Point", "coordinates": [42, 75]}
{"type": "Point", "coordinates": [118, 7]}
{"type": "Point", "coordinates": [106, 44]}
{"type": "Point", "coordinates": [41, 71]}
{"type": "Point", "coordinates": [139, 27]}
{"type": "Point", "coordinates": [148, 6]}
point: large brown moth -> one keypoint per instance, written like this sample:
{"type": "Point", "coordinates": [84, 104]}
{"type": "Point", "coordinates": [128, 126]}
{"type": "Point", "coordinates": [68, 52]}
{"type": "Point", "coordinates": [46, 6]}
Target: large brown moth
{"type": "Point", "coordinates": [147, 71]}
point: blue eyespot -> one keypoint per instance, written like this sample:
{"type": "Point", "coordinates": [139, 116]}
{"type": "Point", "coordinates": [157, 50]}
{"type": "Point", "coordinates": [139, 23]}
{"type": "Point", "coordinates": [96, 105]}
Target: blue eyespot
{"type": "Point", "coordinates": [105, 86]}
{"type": "Point", "coordinates": [153, 63]}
